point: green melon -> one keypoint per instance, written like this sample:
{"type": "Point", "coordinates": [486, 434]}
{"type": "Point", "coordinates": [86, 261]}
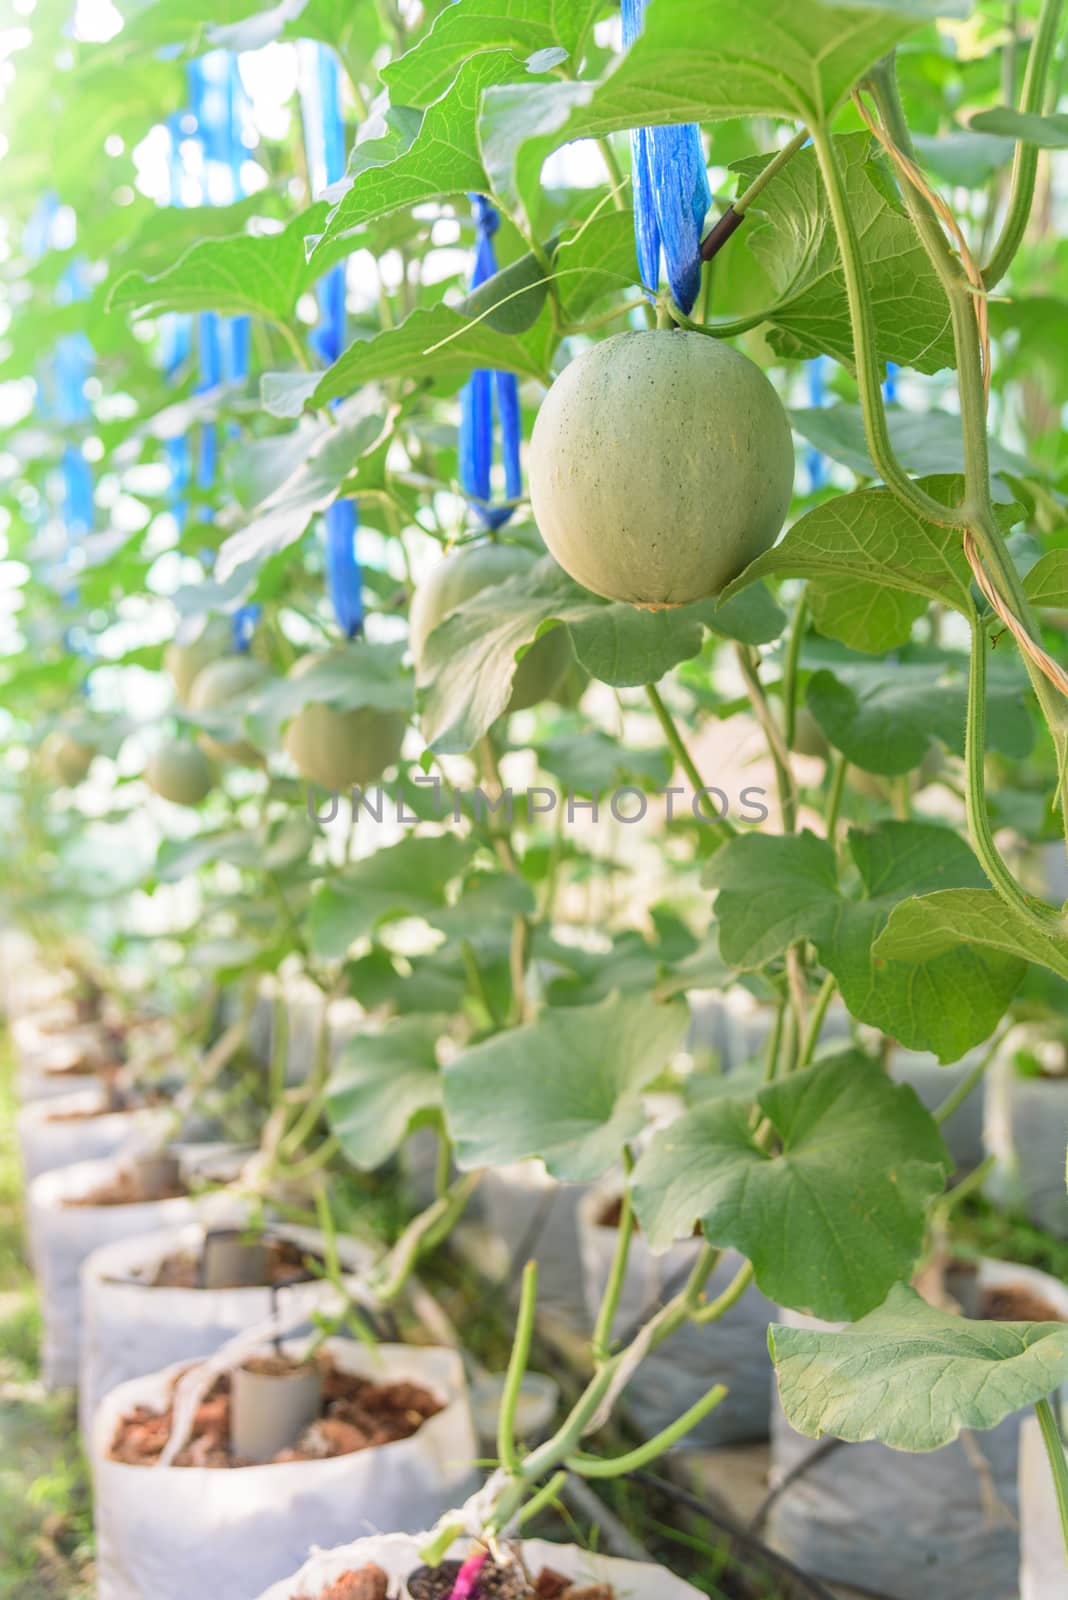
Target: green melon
{"type": "Point", "coordinates": [456, 580]}
{"type": "Point", "coordinates": [809, 738]}
{"type": "Point", "coordinates": [661, 465]}
{"type": "Point", "coordinates": [64, 759]}
{"type": "Point", "coordinates": [179, 771]}
{"type": "Point", "coordinates": [341, 750]}
{"type": "Point", "coordinates": [224, 688]}
{"type": "Point", "coordinates": [184, 661]}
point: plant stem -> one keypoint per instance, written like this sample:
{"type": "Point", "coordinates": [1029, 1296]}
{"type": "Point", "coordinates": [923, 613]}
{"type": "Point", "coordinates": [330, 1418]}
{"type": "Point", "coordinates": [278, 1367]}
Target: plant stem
{"type": "Point", "coordinates": [1058, 1464]}
{"type": "Point", "coordinates": [730, 1296]}
{"type": "Point", "coordinates": [421, 1234]}
{"type": "Point", "coordinates": [517, 1366]}
{"type": "Point", "coordinates": [616, 180]}
{"type": "Point", "coordinates": [862, 320]}
{"type": "Point", "coordinates": [789, 670]}
{"type": "Point", "coordinates": [606, 1316]}
{"type": "Point", "coordinates": [834, 795]}
{"type": "Point", "coordinates": [964, 1088]}
{"type": "Point", "coordinates": [723, 826]}
{"type": "Point", "coordinates": [633, 1461]}
{"type": "Point", "coordinates": [733, 217]}
{"type": "Point", "coordinates": [1025, 160]}
{"type": "Point", "coordinates": [815, 1021]}
{"type": "Point", "coordinates": [780, 755]}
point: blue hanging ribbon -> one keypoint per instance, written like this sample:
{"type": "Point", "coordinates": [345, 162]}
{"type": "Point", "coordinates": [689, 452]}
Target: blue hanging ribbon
{"type": "Point", "coordinates": [671, 194]}
{"type": "Point", "coordinates": [324, 136]}
{"type": "Point", "coordinates": [890, 383]}
{"type": "Point", "coordinates": [477, 402]}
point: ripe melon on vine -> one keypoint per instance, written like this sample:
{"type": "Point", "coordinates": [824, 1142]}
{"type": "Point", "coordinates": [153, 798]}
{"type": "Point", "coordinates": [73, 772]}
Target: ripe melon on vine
{"type": "Point", "coordinates": [64, 759]}
{"type": "Point", "coordinates": [185, 661]}
{"type": "Point", "coordinates": [224, 688]}
{"type": "Point", "coordinates": [457, 579]}
{"type": "Point", "coordinates": [179, 771]}
{"type": "Point", "coordinates": [661, 465]}
{"type": "Point", "coordinates": [341, 749]}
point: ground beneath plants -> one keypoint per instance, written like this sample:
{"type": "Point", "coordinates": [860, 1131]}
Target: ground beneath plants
{"type": "Point", "coordinates": [46, 1549]}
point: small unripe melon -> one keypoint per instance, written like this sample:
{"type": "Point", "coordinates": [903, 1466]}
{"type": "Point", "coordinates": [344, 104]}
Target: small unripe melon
{"type": "Point", "coordinates": [661, 465]}
{"type": "Point", "coordinates": [224, 687]}
{"type": "Point", "coordinates": [179, 771]}
{"type": "Point", "coordinates": [183, 662]}
{"type": "Point", "coordinates": [64, 759]}
{"type": "Point", "coordinates": [458, 579]}
{"type": "Point", "coordinates": [341, 750]}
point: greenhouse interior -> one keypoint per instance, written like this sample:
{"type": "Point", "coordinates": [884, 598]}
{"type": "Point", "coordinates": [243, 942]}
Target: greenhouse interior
{"type": "Point", "coordinates": [533, 799]}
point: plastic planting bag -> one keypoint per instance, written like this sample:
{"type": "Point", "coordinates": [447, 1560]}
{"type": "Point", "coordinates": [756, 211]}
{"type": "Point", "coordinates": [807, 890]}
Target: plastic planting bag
{"type": "Point", "coordinates": [942, 1524]}
{"type": "Point", "coordinates": [1043, 1564]}
{"type": "Point", "coordinates": [64, 1231]}
{"type": "Point", "coordinates": [399, 1557]}
{"type": "Point", "coordinates": [534, 1215]}
{"type": "Point", "coordinates": [1027, 1129]}
{"type": "Point", "coordinates": [170, 1533]}
{"type": "Point", "coordinates": [130, 1327]}
{"type": "Point", "coordinates": [78, 1127]}
{"type": "Point", "coordinates": [733, 1351]}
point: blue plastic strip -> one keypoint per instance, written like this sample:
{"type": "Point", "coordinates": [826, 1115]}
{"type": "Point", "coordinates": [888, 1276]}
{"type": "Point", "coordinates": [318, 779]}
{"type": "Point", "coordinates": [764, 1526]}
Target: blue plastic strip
{"type": "Point", "coordinates": [477, 402]}
{"type": "Point", "coordinates": [77, 493]}
{"type": "Point", "coordinates": [343, 575]}
{"type": "Point", "coordinates": [671, 194]}
{"type": "Point", "coordinates": [243, 625]}
{"type": "Point", "coordinates": [890, 383]}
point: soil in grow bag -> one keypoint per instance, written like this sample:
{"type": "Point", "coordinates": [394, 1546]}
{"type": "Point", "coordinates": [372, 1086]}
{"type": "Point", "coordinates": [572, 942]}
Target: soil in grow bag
{"type": "Point", "coordinates": [127, 1189]}
{"type": "Point", "coordinates": [355, 1414]}
{"type": "Point", "coordinates": [438, 1583]}
{"type": "Point", "coordinates": [287, 1263]}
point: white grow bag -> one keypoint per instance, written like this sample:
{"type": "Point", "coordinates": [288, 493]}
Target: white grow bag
{"type": "Point", "coordinates": [1027, 1130]}
{"type": "Point", "coordinates": [399, 1557]}
{"type": "Point", "coordinates": [170, 1533]}
{"type": "Point", "coordinates": [1043, 1563]}
{"type": "Point", "coordinates": [130, 1329]}
{"type": "Point", "coordinates": [51, 1134]}
{"type": "Point", "coordinates": [903, 1525]}
{"type": "Point", "coordinates": [733, 1351]}
{"type": "Point", "coordinates": [63, 1235]}
{"type": "Point", "coordinates": [534, 1215]}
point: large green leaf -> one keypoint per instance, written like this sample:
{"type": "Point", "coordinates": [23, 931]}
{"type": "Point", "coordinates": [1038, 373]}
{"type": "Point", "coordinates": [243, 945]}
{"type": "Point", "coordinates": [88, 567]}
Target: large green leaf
{"type": "Point", "coordinates": [442, 159]}
{"type": "Point", "coordinates": [791, 233]}
{"type": "Point", "coordinates": [350, 675]}
{"type": "Point", "coordinates": [470, 659]}
{"type": "Point", "coordinates": [333, 458]}
{"type": "Point", "coordinates": [774, 890]}
{"type": "Point", "coordinates": [430, 343]}
{"type": "Point", "coordinates": [830, 1219]}
{"type": "Point", "coordinates": [885, 721]}
{"type": "Point", "coordinates": [566, 1088]}
{"type": "Point", "coordinates": [926, 442]}
{"type": "Point", "coordinates": [480, 27]}
{"type": "Point", "coordinates": [929, 928]}
{"type": "Point", "coordinates": [699, 63]}
{"type": "Point", "coordinates": [261, 276]}
{"type": "Point", "coordinates": [408, 879]}
{"type": "Point", "coordinates": [912, 1376]}
{"type": "Point", "coordinates": [1048, 132]}
{"type": "Point", "coordinates": [381, 1084]}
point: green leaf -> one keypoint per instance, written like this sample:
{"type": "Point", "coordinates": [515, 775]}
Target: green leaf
{"type": "Point", "coordinates": [408, 879]}
{"type": "Point", "coordinates": [885, 721]}
{"type": "Point", "coordinates": [925, 442]}
{"type": "Point", "coordinates": [927, 929]}
{"type": "Point", "coordinates": [442, 159]}
{"type": "Point", "coordinates": [863, 615]}
{"type": "Point", "coordinates": [774, 890]}
{"type": "Point", "coordinates": [1048, 132]}
{"type": "Point", "coordinates": [590, 763]}
{"type": "Point", "coordinates": [478, 27]}
{"type": "Point", "coordinates": [347, 677]}
{"type": "Point", "coordinates": [960, 157]}
{"type": "Point", "coordinates": [381, 1084]}
{"type": "Point", "coordinates": [437, 341]}
{"type": "Point", "coordinates": [869, 538]}
{"type": "Point", "coordinates": [1047, 582]}
{"type": "Point", "coordinates": [566, 1088]}
{"type": "Point", "coordinates": [261, 276]}
{"type": "Point", "coordinates": [791, 233]}
{"type": "Point", "coordinates": [914, 1377]}
{"type": "Point", "coordinates": [332, 458]}
{"type": "Point", "coordinates": [511, 300]}
{"type": "Point", "coordinates": [696, 63]}
{"type": "Point", "coordinates": [834, 1217]}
